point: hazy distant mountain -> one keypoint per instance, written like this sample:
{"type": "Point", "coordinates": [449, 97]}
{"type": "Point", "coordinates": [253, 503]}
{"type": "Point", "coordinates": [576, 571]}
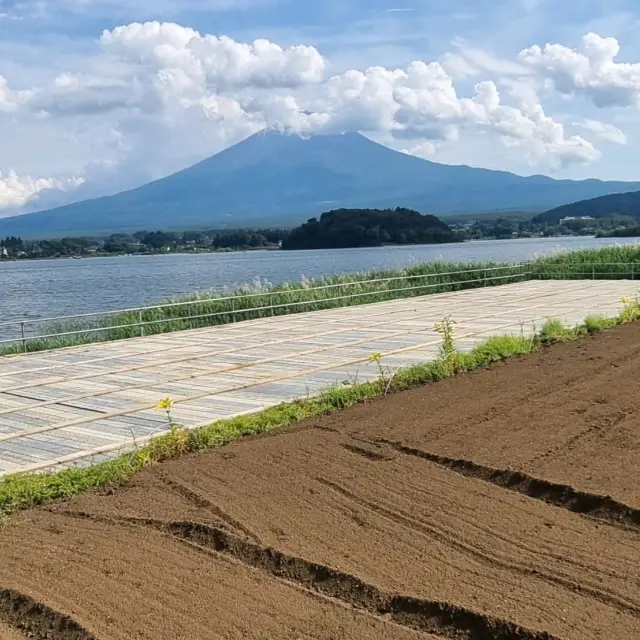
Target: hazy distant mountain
{"type": "Point", "coordinates": [273, 178]}
{"type": "Point", "coordinates": [626, 204]}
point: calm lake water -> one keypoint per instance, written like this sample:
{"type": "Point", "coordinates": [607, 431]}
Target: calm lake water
{"type": "Point", "coordinates": [46, 288]}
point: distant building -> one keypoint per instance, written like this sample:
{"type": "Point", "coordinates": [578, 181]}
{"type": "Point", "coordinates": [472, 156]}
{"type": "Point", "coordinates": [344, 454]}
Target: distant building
{"type": "Point", "coordinates": [570, 218]}
{"type": "Point", "coordinates": [3, 252]}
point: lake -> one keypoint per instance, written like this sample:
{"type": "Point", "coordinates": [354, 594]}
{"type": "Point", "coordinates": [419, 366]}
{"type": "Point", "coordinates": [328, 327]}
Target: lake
{"type": "Point", "coordinates": [47, 288]}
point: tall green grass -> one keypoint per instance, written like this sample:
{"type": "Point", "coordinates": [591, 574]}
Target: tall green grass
{"type": "Point", "coordinates": [619, 262]}
{"type": "Point", "coordinates": [261, 300]}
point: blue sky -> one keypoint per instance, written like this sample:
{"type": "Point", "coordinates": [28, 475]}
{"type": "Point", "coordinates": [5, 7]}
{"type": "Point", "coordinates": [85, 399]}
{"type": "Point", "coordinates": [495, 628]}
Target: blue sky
{"type": "Point", "coordinates": [456, 82]}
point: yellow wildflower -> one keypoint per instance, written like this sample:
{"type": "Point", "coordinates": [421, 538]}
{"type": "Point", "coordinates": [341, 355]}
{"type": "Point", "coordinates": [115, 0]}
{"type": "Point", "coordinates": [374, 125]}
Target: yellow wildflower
{"type": "Point", "coordinates": [166, 403]}
{"type": "Point", "coordinates": [625, 300]}
{"type": "Point", "coordinates": [376, 357]}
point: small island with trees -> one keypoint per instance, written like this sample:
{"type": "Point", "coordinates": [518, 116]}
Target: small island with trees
{"type": "Point", "coordinates": [349, 228]}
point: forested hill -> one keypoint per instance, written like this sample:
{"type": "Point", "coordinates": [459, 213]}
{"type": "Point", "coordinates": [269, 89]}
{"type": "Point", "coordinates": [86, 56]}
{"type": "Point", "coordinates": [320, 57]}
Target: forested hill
{"type": "Point", "coordinates": [345, 228]}
{"type": "Point", "coordinates": [625, 204]}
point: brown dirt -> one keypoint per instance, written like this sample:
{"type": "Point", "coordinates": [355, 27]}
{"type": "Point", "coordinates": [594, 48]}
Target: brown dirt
{"type": "Point", "coordinates": [502, 504]}
{"type": "Point", "coordinates": [8, 633]}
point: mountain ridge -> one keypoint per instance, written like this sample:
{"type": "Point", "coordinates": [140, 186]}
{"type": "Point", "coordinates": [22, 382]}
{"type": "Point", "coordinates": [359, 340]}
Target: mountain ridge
{"type": "Point", "coordinates": [622, 204]}
{"type": "Point", "coordinates": [282, 179]}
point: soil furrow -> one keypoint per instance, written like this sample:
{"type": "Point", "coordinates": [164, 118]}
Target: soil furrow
{"type": "Point", "coordinates": [603, 425]}
{"type": "Point", "coordinates": [369, 454]}
{"type": "Point", "coordinates": [437, 618]}
{"type": "Point", "coordinates": [203, 502]}
{"type": "Point", "coordinates": [564, 496]}
{"type": "Point", "coordinates": [501, 504]}
{"type": "Point", "coordinates": [448, 537]}
{"type": "Point", "coordinates": [553, 389]}
{"type": "Point", "coordinates": [38, 621]}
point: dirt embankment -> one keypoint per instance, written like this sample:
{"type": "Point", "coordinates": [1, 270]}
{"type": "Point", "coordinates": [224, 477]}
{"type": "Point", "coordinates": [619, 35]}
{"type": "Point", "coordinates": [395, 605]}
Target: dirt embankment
{"type": "Point", "coordinates": [502, 504]}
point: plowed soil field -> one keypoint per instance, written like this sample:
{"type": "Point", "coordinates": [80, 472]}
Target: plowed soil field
{"type": "Point", "coordinates": [501, 504]}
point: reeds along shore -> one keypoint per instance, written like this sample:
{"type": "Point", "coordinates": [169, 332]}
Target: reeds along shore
{"type": "Point", "coordinates": [260, 299]}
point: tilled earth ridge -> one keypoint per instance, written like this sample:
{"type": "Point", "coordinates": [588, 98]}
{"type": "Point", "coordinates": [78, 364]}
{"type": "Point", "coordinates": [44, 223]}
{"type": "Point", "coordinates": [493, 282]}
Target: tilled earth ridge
{"type": "Point", "coordinates": [500, 504]}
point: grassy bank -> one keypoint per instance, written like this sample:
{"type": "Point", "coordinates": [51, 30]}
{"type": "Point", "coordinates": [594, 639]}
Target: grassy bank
{"type": "Point", "coordinates": [260, 301]}
{"type": "Point", "coordinates": [608, 263]}
{"type": "Point", "coordinates": [26, 491]}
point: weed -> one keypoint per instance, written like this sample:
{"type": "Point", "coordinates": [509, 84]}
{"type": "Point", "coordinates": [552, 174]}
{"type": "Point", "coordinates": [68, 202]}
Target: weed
{"type": "Point", "coordinates": [501, 347]}
{"type": "Point", "coordinates": [630, 310]}
{"type": "Point", "coordinates": [449, 356]}
{"type": "Point", "coordinates": [383, 373]}
{"type": "Point", "coordinates": [554, 330]}
{"type": "Point", "coordinates": [595, 324]}
{"type": "Point", "coordinates": [177, 440]}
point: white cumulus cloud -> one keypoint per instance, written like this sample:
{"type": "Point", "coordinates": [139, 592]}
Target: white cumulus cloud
{"type": "Point", "coordinates": [218, 62]}
{"type": "Point", "coordinates": [155, 97]}
{"type": "Point", "coordinates": [17, 191]}
{"type": "Point", "coordinates": [471, 61]}
{"type": "Point", "coordinates": [164, 77]}
{"type": "Point", "coordinates": [11, 100]}
{"type": "Point", "coordinates": [422, 149]}
{"type": "Point", "coordinates": [606, 132]}
{"type": "Point", "coordinates": [421, 102]}
{"type": "Point", "coordinates": [180, 77]}
{"type": "Point", "coordinates": [590, 70]}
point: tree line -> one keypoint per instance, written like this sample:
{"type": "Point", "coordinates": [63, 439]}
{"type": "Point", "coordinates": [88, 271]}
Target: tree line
{"type": "Point", "coordinates": [502, 227]}
{"type": "Point", "coordinates": [344, 228]}
{"type": "Point", "coordinates": [341, 228]}
{"type": "Point", "coordinates": [142, 242]}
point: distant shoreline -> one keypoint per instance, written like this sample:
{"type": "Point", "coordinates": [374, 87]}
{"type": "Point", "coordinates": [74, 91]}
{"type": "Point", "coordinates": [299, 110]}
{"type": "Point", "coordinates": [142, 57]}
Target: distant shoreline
{"type": "Point", "coordinates": [275, 249]}
{"type": "Point", "coordinates": [141, 255]}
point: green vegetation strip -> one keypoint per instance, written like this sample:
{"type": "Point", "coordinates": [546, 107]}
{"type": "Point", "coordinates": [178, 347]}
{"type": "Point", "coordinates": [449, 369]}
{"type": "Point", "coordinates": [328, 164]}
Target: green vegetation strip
{"type": "Point", "coordinates": [21, 492]}
{"type": "Point", "coordinates": [262, 300]}
{"type": "Point", "coordinates": [619, 262]}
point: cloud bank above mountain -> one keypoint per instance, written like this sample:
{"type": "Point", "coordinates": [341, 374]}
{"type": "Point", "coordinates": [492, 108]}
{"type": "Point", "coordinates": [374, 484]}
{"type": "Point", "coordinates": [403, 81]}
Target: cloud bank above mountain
{"type": "Point", "coordinates": [152, 97]}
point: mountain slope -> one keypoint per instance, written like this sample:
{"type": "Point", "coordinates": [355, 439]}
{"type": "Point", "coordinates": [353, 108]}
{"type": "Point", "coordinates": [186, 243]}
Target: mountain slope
{"type": "Point", "coordinates": [627, 204]}
{"type": "Point", "coordinates": [272, 177]}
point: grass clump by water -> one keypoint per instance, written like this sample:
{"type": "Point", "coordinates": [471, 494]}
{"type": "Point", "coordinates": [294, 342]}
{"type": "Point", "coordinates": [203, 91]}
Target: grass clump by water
{"type": "Point", "coordinates": [620, 262]}
{"type": "Point", "coordinates": [261, 300]}
{"type": "Point", "coordinates": [25, 491]}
